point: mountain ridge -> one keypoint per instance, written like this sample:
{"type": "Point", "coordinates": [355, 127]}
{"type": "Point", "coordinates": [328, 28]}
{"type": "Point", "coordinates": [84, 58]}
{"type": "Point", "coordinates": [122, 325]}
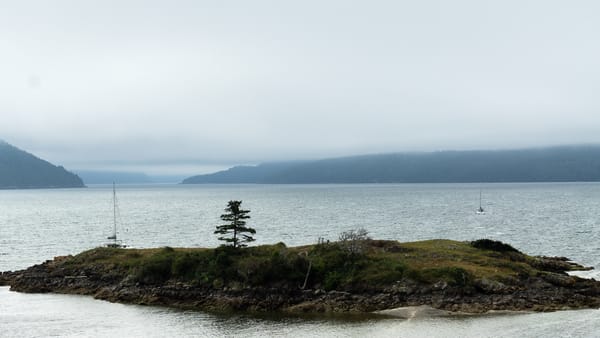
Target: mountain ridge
{"type": "Point", "coordinates": [552, 164]}
{"type": "Point", "coordinates": [22, 170]}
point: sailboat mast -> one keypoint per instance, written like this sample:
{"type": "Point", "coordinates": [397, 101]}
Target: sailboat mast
{"type": "Point", "coordinates": [114, 214]}
{"type": "Point", "coordinates": [479, 199]}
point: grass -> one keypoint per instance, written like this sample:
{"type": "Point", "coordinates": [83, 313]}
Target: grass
{"type": "Point", "coordinates": [438, 254]}
{"type": "Point", "coordinates": [380, 265]}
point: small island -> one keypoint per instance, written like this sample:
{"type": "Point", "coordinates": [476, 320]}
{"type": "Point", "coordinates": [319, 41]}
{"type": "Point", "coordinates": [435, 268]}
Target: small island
{"type": "Point", "coordinates": [353, 275]}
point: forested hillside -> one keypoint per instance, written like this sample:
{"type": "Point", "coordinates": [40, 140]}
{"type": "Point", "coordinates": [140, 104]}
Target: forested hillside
{"type": "Point", "coordinates": [22, 170]}
{"type": "Point", "coordinates": [557, 164]}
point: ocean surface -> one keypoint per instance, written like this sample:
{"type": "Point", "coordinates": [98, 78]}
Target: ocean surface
{"type": "Point", "coordinates": [560, 219]}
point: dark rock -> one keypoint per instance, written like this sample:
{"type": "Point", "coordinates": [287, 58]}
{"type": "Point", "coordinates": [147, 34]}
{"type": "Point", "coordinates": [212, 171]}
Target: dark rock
{"type": "Point", "coordinates": [547, 291]}
{"type": "Point", "coordinates": [490, 286]}
{"type": "Point", "coordinates": [441, 285]}
{"type": "Point", "coordinates": [556, 264]}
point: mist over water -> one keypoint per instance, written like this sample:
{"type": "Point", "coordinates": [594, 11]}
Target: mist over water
{"type": "Point", "coordinates": [35, 225]}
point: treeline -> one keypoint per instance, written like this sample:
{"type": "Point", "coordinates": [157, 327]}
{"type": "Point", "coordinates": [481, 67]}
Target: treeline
{"type": "Point", "coordinates": [556, 164]}
{"type": "Point", "coordinates": [21, 170]}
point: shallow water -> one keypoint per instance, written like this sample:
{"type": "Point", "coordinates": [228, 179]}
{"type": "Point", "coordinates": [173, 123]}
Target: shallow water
{"type": "Point", "coordinates": [43, 315]}
{"type": "Point", "coordinates": [35, 225]}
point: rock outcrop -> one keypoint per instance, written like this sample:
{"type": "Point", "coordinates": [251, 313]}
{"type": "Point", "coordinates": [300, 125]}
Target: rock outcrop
{"type": "Point", "coordinates": [545, 290]}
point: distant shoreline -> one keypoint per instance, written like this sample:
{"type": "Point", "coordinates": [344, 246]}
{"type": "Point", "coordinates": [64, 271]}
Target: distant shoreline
{"type": "Point", "coordinates": [556, 164]}
{"type": "Point", "coordinates": [43, 187]}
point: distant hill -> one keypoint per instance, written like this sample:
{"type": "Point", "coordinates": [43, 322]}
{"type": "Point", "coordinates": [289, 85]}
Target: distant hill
{"type": "Point", "coordinates": [124, 177]}
{"type": "Point", "coordinates": [556, 164]}
{"type": "Point", "coordinates": [107, 177]}
{"type": "Point", "coordinates": [22, 170]}
{"type": "Point", "coordinates": [261, 173]}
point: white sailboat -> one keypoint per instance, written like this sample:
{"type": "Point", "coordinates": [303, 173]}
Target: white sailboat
{"type": "Point", "coordinates": [480, 209]}
{"type": "Point", "coordinates": [115, 242]}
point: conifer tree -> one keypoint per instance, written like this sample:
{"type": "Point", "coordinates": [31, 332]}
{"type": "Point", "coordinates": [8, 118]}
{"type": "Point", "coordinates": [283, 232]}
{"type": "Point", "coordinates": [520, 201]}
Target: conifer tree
{"type": "Point", "coordinates": [235, 217]}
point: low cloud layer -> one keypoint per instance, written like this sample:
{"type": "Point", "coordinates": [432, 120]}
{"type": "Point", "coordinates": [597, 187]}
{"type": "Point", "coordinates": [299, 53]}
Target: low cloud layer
{"type": "Point", "coordinates": [207, 84]}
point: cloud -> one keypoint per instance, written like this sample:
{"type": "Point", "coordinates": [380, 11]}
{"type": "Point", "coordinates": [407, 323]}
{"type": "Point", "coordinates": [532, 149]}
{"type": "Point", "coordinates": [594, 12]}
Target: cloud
{"type": "Point", "coordinates": [234, 82]}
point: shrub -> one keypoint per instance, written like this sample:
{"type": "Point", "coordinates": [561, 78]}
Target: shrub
{"type": "Point", "coordinates": [382, 271]}
{"type": "Point", "coordinates": [452, 275]}
{"type": "Point", "coordinates": [488, 244]}
{"type": "Point", "coordinates": [221, 264]}
{"type": "Point", "coordinates": [334, 268]}
{"type": "Point", "coordinates": [268, 264]}
{"type": "Point", "coordinates": [333, 280]}
{"type": "Point", "coordinates": [156, 269]}
{"type": "Point", "coordinates": [353, 241]}
{"type": "Point", "coordinates": [185, 266]}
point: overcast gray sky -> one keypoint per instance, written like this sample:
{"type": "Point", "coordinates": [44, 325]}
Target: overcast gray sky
{"type": "Point", "coordinates": [184, 86]}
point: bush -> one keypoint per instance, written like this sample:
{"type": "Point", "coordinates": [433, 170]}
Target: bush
{"type": "Point", "coordinates": [220, 265]}
{"type": "Point", "coordinates": [382, 271]}
{"type": "Point", "coordinates": [456, 276]}
{"type": "Point", "coordinates": [333, 280]}
{"type": "Point", "coordinates": [269, 264]}
{"type": "Point", "coordinates": [353, 241]}
{"type": "Point", "coordinates": [185, 266]}
{"type": "Point", "coordinates": [156, 269]}
{"type": "Point", "coordinates": [452, 275]}
{"type": "Point", "coordinates": [488, 244]}
{"type": "Point", "coordinates": [339, 265]}
{"type": "Point", "coordinates": [334, 268]}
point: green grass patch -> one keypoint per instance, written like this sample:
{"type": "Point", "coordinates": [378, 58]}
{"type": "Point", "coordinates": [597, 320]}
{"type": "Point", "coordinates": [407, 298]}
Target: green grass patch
{"type": "Point", "coordinates": [332, 267]}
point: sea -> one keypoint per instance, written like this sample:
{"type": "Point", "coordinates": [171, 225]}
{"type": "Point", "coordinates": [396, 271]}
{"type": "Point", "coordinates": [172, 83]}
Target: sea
{"type": "Point", "coordinates": [556, 219]}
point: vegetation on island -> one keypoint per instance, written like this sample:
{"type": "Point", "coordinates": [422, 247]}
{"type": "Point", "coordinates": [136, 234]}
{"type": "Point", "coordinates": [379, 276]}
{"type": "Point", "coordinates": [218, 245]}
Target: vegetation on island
{"type": "Point", "coordinates": [353, 274]}
{"type": "Point", "coordinates": [353, 263]}
{"type": "Point", "coordinates": [340, 265]}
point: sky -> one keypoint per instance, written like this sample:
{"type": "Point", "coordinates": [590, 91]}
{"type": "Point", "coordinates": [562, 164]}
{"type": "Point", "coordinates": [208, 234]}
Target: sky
{"type": "Point", "coordinates": [189, 87]}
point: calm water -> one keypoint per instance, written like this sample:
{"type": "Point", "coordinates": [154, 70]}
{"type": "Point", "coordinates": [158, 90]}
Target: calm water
{"type": "Point", "coordinates": [35, 225]}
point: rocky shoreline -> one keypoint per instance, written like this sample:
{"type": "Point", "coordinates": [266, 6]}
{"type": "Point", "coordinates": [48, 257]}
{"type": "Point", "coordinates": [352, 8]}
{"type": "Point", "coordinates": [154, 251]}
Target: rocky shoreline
{"type": "Point", "coordinates": [548, 291]}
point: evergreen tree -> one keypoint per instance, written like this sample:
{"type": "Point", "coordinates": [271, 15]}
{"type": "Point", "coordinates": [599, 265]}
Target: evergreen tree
{"type": "Point", "coordinates": [236, 225]}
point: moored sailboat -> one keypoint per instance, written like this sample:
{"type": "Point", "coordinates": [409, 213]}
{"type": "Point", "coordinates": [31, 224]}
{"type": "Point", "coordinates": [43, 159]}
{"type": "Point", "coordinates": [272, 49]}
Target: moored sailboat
{"type": "Point", "coordinates": [115, 242]}
{"type": "Point", "coordinates": [480, 210]}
